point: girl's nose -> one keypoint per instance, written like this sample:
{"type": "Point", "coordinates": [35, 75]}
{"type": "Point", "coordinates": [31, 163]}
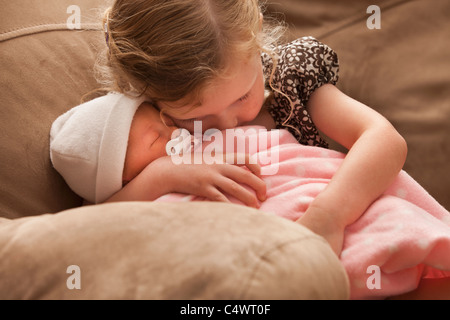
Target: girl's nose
{"type": "Point", "coordinates": [227, 122]}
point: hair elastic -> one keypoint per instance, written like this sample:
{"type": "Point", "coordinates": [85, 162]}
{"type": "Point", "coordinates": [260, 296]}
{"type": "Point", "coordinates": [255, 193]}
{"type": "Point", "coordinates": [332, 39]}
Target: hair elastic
{"type": "Point", "coordinates": [105, 29]}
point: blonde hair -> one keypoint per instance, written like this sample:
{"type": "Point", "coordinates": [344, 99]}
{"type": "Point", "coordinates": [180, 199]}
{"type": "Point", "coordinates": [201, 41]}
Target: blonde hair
{"type": "Point", "coordinates": [170, 50]}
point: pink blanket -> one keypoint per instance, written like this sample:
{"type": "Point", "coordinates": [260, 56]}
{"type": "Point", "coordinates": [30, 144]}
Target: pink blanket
{"type": "Point", "coordinates": [402, 237]}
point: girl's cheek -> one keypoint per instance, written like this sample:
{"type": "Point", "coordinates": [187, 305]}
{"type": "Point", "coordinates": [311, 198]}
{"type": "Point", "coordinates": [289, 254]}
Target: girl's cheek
{"type": "Point", "coordinates": [257, 104]}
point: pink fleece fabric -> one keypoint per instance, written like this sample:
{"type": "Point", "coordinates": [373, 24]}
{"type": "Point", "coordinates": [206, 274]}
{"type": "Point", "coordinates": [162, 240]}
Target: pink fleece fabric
{"type": "Point", "coordinates": [402, 237]}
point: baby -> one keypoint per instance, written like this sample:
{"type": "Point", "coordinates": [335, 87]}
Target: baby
{"type": "Point", "coordinates": [101, 147]}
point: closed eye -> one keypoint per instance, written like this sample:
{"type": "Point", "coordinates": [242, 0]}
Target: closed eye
{"type": "Point", "coordinates": [151, 137]}
{"type": "Point", "coordinates": [243, 98]}
{"type": "Point", "coordinates": [153, 141]}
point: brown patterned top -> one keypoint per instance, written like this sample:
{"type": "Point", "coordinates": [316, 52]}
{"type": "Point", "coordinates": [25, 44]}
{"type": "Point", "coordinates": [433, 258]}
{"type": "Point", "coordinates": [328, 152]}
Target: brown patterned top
{"type": "Point", "coordinates": [303, 66]}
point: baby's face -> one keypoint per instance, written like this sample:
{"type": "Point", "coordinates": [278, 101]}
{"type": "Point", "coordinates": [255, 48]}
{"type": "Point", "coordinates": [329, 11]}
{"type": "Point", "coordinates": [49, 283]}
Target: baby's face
{"type": "Point", "coordinates": [147, 140]}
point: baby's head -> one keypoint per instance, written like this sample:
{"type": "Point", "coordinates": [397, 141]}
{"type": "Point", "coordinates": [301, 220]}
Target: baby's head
{"type": "Point", "coordinates": [175, 50]}
{"type": "Point", "coordinates": [102, 144]}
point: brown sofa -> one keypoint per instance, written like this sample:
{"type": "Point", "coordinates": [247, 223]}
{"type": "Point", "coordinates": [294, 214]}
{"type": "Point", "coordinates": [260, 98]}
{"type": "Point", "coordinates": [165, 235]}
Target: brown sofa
{"type": "Point", "coordinates": [123, 250]}
{"type": "Point", "coordinates": [194, 250]}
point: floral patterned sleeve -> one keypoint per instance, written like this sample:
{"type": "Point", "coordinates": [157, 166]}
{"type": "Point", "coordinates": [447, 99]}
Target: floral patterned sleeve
{"type": "Point", "coordinates": [323, 66]}
{"type": "Point", "coordinates": [302, 66]}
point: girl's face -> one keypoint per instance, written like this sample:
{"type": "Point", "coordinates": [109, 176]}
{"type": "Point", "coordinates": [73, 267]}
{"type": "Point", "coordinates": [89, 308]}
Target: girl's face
{"type": "Point", "coordinates": [227, 103]}
{"type": "Point", "coordinates": [147, 140]}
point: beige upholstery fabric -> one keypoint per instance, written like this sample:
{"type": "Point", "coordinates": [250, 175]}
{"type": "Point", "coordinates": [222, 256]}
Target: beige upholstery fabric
{"type": "Point", "coordinates": [43, 75]}
{"type": "Point", "coordinates": [157, 251]}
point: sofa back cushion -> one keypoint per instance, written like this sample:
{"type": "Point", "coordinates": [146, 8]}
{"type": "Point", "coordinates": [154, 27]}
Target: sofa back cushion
{"type": "Point", "coordinates": [46, 69]}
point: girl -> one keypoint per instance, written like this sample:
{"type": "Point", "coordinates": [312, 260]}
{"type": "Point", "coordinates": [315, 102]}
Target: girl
{"type": "Point", "coordinates": [214, 60]}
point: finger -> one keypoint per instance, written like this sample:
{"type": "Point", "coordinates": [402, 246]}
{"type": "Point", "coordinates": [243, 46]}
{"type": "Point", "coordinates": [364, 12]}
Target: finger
{"type": "Point", "coordinates": [255, 169]}
{"type": "Point", "coordinates": [243, 159]}
{"type": "Point", "coordinates": [240, 175]}
{"type": "Point", "coordinates": [255, 182]}
{"type": "Point", "coordinates": [238, 191]}
{"type": "Point", "coordinates": [213, 194]}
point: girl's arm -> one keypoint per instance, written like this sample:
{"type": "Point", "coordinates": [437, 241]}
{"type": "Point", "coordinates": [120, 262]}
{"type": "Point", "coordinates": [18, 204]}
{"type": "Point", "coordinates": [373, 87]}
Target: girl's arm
{"type": "Point", "coordinates": [212, 181]}
{"type": "Point", "coordinates": [376, 155]}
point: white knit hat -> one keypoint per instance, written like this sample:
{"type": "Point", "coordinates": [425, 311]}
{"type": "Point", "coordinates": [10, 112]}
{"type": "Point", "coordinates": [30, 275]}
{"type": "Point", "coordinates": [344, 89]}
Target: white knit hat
{"type": "Point", "coordinates": [88, 145]}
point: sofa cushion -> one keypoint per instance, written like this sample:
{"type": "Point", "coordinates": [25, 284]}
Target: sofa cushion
{"type": "Point", "coordinates": [46, 69]}
{"type": "Point", "coordinates": [148, 251]}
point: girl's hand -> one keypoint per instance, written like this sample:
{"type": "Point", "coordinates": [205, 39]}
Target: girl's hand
{"type": "Point", "coordinates": [212, 181]}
